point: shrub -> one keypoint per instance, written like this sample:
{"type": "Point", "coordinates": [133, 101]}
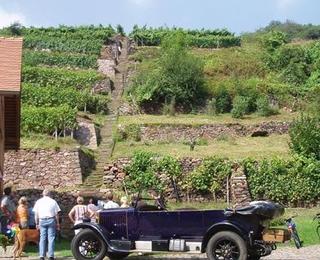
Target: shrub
{"type": "Point", "coordinates": [304, 135]}
{"type": "Point", "coordinates": [264, 108]}
{"type": "Point", "coordinates": [210, 176]}
{"type": "Point", "coordinates": [287, 181]}
{"type": "Point", "coordinates": [176, 73]}
{"type": "Point", "coordinates": [133, 132]}
{"type": "Point", "coordinates": [240, 107]}
{"type": "Point", "coordinates": [223, 100]}
{"type": "Point", "coordinates": [141, 173]}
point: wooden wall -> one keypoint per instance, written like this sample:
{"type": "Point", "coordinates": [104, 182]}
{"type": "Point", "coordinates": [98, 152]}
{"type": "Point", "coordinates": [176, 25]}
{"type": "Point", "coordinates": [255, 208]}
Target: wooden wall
{"type": "Point", "coordinates": [1, 142]}
{"type": "Point", "coordinates": [12, 122]}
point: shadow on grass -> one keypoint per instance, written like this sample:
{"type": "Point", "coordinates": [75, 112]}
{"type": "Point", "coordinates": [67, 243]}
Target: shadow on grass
{"type": "Point", "coordinates": [62, 249]}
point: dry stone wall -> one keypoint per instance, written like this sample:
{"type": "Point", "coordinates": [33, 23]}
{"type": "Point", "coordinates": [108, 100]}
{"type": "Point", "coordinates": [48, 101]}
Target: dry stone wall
{"type": "Point", "coordinates": [185, 132]}
{"type": "Point", "coordinates": [239, 192]}
{"type": "Point", "coordinates": [42, 169]}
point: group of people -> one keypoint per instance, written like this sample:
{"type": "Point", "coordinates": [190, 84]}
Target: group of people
{"type": "Point", "coordinates": [44, 215]}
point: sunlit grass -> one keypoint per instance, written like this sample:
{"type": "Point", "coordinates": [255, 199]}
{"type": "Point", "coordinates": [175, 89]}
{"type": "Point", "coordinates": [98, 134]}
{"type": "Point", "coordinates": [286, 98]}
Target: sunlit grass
{"type": "Point", "coordinates": [202, 119]}
{"type": "Point", "coordinates": [233, 148]}
{"type": "Point", "coordinates": [40, 141]}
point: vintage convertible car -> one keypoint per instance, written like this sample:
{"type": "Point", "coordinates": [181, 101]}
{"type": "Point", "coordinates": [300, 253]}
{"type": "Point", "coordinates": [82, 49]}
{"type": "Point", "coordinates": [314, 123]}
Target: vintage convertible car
{"type": "Point", "coordinates": [221, 234]}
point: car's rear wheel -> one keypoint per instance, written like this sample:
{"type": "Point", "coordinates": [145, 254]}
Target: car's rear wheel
{"type": "Point", "coordinates": [226, 245]}
{"type": "Point", "coordinates": [116, 256]}
{"type": "Point", "coordinates": [87, 245]}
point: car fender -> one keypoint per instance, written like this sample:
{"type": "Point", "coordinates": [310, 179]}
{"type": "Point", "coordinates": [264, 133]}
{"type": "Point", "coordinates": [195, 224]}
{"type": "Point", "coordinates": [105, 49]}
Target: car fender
{"type": "Point", "coordinates": [222, 226]}
{"type": "Point", "coordinates": [102, 232]}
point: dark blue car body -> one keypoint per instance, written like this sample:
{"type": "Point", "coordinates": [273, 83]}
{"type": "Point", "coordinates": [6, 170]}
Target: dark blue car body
{"type": "Point", "coordinates": [127, 230]}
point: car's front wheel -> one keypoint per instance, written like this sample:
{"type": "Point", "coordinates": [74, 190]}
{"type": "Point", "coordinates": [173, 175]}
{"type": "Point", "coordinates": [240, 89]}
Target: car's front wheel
{"type": "Point", "coordinates": [87, 245]}
{"type": "Point", "coordinates": [226, 245]}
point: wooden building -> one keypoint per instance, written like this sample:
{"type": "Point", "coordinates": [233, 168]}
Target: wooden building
{"type": "Point", "coordinates": [10, 85]}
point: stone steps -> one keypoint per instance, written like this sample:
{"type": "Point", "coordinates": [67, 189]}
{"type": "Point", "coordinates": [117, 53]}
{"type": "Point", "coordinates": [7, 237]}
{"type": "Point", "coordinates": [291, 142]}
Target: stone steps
{"type": "Point", "coordinates": [95, 179]}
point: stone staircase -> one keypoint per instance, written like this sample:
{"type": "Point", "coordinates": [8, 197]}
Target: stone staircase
{"type": "Point", "coordinates": [105, 149]}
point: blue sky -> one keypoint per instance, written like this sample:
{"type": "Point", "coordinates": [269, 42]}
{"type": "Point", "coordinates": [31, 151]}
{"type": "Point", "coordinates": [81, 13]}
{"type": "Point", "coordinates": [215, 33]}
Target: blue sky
{"type": "Point", "coordinates": [235, 15]}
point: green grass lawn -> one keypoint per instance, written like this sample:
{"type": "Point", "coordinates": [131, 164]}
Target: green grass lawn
{"type": "Point", "coordinates": [202, 119]}
{"type": "Point", "coordinates": [233, 148]}
{"type": "Point", "coordinates": [41, 141]}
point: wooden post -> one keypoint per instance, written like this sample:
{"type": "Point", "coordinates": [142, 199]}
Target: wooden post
{"type": "Point", "coordinates": [1, 143]}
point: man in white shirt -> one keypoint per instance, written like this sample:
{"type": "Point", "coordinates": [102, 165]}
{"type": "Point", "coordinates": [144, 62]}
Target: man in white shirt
{"type": "Point", "coordinates": [110, 204]}
{"type": "Point", "coordinates": [46, 212]}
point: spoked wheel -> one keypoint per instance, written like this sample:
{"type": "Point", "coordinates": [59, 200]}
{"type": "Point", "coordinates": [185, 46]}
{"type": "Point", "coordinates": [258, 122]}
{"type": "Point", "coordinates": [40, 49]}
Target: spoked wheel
{"type": "Point", "coordinates": [226, 245]}
{"type": "Point", "coordinates": [87, 245]}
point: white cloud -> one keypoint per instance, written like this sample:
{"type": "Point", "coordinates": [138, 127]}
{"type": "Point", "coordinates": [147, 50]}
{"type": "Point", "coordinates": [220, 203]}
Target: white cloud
{"type": "Point", "coordinates": [285, 4]}
{"type": "Point", "coordinates": [7, 18]}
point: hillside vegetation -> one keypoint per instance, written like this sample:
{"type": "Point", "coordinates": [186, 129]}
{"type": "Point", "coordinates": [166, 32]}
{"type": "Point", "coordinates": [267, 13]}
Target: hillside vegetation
{"type": "Point", "coordinates": [59, 71]}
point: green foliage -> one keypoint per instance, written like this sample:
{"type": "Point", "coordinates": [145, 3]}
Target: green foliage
{"type": "Point", "coordinates": [209, 176]}
{"type": "Point", "coordinates": [15, 29]}
{"type": "Point", "coordinates": [63, 44]}
{"type": "Point", "coordinates": [305, 136]}
{"type": "Point", "coordinates": [176, 74]}
{"type": "Point", "coordinates": [287, 181]}
{"type": "Point", "coordinates": [224, 102]}
{"type": "Point", "coordinates": [198, 38]}
{"type": "Point", "coordinates": [240, 107]}
{"type": "Point", "coordinates": [34, 58]}
{"type": "Point", "coordinates": [120, 29]}
{"type": "Point", "coordinates": [47, 119]}
{"type": "Point", "coordinates": [169, 166]}
{"type": "Point", "coordinates": [60, 77]}
{"type": "Point", "coordinates": [264, 108]}
{"type": "Point", "coordinates": [294, 30]}
{"type": "Point", "coordinates": [141, 174]}
{"type": "Point", "coordinates": [273, 40]}
{"type": "Point", "coordinates": [76, 33]}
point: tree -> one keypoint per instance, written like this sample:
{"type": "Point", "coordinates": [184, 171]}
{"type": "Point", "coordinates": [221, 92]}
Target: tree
{"type": "Point", "coordinates": [176, 73]}
{"type": "Point", "coordinates": [15, 29]}
{"type": "Point", "coordinates": [120, 29]}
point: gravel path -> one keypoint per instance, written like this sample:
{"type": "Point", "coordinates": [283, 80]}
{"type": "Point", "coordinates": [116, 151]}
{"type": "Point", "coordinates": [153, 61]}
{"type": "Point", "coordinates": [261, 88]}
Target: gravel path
{"type": "Point", "coordinates": [284, 253]}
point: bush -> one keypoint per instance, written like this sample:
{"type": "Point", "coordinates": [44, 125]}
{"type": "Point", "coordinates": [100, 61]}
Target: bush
{"type": "Point", "coordinates": [223, 100]}
{"type": "Point", "coordinates": [296, 180]}
{"type": "Point", "coordinates": [141, 173]}
{"type": "Point", "coordinates": [304, 135]}
{"type": "Point", "coordinates": [264, 108]}
{"type": "Point", "coordinates": [210, 176]}
{"type": "Point", "coordinates": [176, 74]}
{"type": "Point", "coordinates": [240, 107]}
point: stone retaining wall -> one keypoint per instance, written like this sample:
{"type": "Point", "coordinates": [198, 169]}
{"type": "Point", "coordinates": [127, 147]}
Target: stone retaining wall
{"type": "Point", "coordinates": [42, 169]}
{"type": "Point", "coordinates": [185, 132]}
{"type": "Point", "coordinates": [238, 189]}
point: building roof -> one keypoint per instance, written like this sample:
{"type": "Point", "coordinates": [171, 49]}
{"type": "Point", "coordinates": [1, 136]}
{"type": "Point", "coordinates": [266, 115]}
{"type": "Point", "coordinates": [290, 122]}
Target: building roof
{"type": "Point", "coordinates": [10, 65]}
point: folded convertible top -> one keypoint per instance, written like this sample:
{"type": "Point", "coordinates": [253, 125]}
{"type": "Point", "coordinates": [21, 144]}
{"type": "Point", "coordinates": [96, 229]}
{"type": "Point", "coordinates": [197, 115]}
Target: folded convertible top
{"type": "Point", "coordinates": [265, 209]}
